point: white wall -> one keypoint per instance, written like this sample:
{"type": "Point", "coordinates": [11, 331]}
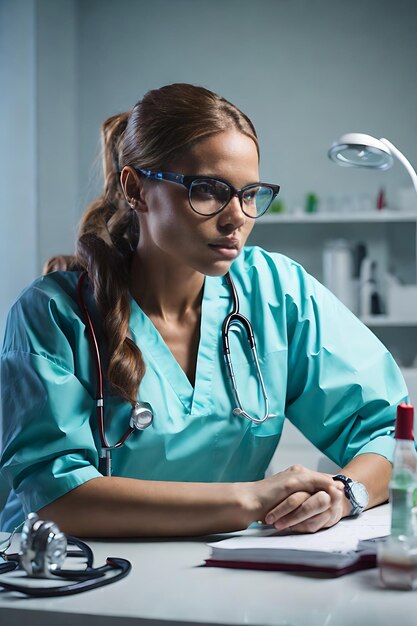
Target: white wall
{"type": "Point", "coordinates": [56, 125]}
{"type": "Point", "coordinates": [306, 71]}
{"type": "Point", "coordinates": [18, 167]}
{"type": "Point", "coordinates": [38, 138]}
{"type": "Point", "coordinates": [38, 184]}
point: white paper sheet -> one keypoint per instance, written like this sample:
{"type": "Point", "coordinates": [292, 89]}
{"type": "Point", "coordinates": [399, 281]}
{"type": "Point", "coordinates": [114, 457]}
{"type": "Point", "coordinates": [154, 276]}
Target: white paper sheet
{"type": "Point", "coordinates": [341, 538]}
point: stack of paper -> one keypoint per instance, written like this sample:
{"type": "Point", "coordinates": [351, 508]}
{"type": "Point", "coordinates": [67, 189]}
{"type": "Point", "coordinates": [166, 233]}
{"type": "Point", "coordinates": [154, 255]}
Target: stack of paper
{"type": "Point", "coordinates": [337, 549]}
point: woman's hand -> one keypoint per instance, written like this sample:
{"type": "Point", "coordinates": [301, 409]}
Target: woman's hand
{"type": "Point", "coordinates": [306, 513]}
{"type": "Point", "coordinates": [305, 501]}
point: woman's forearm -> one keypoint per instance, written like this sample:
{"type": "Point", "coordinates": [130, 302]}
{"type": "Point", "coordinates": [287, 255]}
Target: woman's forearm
{"type": "Point", "coordinates": [126, 507]}
{"type": "Point", "coordinates": [374, 471]}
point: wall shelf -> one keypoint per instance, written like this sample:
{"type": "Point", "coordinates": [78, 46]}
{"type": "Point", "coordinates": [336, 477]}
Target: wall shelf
{"type": "Point", "coordinates": [339, 218]}
{"type": "Point", "coordinates": [387, 321]}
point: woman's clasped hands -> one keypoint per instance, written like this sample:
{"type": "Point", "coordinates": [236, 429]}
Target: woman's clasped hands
{"type": "Point", "coordinates": [301, 500]}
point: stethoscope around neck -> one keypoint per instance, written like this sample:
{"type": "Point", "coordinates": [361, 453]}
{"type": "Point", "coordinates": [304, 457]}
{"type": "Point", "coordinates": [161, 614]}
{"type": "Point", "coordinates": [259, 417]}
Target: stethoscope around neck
{"type": "Point", "coordinates": [141, 415]}
{"type": "Point", "coordinates": [235, 318]}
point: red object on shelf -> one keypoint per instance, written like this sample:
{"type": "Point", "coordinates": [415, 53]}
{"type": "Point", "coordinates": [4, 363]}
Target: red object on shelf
{"type": "Point", "coordinates": [381, 201]}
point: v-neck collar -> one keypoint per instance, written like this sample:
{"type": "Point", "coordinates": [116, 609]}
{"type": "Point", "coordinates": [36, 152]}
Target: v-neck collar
{"type": "Point", "coordinates": [197, 399]}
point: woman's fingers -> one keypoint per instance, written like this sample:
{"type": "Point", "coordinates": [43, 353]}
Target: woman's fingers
{"type": "Point", "coordinates": [296, 495]}
{"type": "Point", "coordinates": [297, 509]}
{"type": "Point", "coordinates": [290, 504]}
{"type": "Point", "coordinates": [297, 478]}
{"type": "Point", "coordinates": [311, 511]}
{"type": "Point", "coordinates": [312, 525]}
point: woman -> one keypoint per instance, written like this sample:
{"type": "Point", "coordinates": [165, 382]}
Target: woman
{"type": "Point", "coordinates": [157, 248]}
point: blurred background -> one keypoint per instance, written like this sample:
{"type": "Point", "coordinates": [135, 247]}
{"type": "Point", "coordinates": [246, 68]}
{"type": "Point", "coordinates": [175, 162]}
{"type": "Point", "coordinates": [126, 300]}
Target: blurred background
{"type": "Point", "coordinates": [305, 71]}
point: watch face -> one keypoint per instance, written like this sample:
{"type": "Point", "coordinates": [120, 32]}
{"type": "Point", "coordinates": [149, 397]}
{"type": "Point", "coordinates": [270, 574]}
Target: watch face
{"type": "Point", "coordinates": [359, 493]}
{"type": "Point", "coordinates": [355, 492]}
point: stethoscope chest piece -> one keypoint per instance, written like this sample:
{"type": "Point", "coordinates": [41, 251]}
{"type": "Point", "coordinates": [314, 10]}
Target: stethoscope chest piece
{"type": "Point", "coordinates": [141, 416]}
{"type": "Point", "coordinates": [43, 547]}
{"type": "Point", "coordinates": [43, 551]}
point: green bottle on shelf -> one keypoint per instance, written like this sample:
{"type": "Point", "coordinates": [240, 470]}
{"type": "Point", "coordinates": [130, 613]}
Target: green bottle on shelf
{"type": "Point", "coordinates": [277, 206]}
{"type": "Point", "coordinates": [312, 203]}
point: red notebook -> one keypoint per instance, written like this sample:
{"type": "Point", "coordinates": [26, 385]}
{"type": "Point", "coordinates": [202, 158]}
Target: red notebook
{"type": "Point", "coordinates": [358, 562]}
{"type": "Point", "coordinates": [349, 546]}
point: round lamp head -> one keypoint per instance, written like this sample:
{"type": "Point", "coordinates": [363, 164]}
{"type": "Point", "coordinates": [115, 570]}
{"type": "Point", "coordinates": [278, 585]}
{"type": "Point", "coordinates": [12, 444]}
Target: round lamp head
{"type": "Point", "coordinates": [360, 150]}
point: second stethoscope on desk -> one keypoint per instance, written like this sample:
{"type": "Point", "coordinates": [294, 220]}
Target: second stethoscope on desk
{"type": "Point", "coordinates": [142, 413]}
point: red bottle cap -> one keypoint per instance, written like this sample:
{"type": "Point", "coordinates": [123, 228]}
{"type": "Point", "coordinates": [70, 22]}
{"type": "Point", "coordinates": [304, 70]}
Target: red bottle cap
{"type": "Point", "coordinates": [404, 425]}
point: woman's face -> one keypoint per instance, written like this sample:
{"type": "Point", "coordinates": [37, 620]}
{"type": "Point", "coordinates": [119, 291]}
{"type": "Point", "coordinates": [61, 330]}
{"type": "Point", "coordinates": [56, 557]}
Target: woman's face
{"type": "Point", "coordinates": [172, 232]}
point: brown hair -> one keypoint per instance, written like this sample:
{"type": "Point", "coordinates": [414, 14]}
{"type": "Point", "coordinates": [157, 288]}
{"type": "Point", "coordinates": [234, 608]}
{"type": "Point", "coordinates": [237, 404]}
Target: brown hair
{"type": "Point", "coordinates": [60, 262]}
{"type": "Point", "coordinates": [158, 130]}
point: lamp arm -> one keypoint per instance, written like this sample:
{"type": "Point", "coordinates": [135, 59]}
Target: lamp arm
{"type": "Point", "coordinates": [403, 160]}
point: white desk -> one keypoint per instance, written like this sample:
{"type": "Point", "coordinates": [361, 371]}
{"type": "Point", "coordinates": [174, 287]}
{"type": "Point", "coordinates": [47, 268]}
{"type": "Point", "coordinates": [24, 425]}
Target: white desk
{"type": "Point", "coordinates": [169, 585]}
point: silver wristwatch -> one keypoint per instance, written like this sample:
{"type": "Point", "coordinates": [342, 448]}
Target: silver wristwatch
{"type": "Point", "coordinates": [355, 492]}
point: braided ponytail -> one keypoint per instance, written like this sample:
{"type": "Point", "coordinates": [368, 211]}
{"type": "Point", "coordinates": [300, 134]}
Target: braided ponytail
{"type": "Point", "coordinates": [108, 234]}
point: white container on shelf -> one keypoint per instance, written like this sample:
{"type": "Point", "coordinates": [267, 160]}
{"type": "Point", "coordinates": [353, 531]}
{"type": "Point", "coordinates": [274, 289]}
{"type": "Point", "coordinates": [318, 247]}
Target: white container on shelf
{"type": "Point", "coordinates": [338, 271]}
{"type": "Point", "coordinates": [407, 199]}
{"type": "Point", "coordinates": [365, 287]}
{"type": "Point", "coordinates": [401, 300]}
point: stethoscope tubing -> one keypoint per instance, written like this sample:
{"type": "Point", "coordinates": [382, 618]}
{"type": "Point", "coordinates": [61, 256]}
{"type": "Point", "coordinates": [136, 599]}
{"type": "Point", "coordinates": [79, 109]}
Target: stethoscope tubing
{"type": "Point", "coordinates": [81, 580]}
{"type": "Point", "coordinates": [233, 318]}
{"type": "Point", "coordinates": [112, 564]}
{"type": "Point", "coordinates": [100, 394]}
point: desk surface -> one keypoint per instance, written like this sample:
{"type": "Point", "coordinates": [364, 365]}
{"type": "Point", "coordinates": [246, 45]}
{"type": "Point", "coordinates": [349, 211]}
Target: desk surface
{"type": "Point", "coordinates": [169, 585]}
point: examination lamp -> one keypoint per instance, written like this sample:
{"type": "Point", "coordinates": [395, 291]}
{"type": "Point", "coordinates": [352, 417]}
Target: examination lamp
{"type": "Point", "coordinates": [361, 150]}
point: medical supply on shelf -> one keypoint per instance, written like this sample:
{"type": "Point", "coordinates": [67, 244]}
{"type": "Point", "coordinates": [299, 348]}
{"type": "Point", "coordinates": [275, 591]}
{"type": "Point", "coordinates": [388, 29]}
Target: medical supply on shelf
{"type": "Point", "coordinates": [277, 206]}
{"type": "Point", "coordinates": [365, 287]}
{"type": "Point", "coordinates": [338, 271]}
{"type": "Point", "coordinates": [376, 301]}
{"type": "Point", "coordinates": [401, 299]}
{"type": "Point", "coordinates": [312, 203]}
{"type": "Point", "coordinates": [359, 254]}
{"type": "Point", "coordinates": [397, 556]}
{"type": "Point", "coordinates": [381, 201]}
{"type": "Point", "coordinates": [406, 199]}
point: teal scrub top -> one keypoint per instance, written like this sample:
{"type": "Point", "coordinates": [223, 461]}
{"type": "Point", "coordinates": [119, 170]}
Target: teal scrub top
{"type": "Point", "coordinates": [323, 370]}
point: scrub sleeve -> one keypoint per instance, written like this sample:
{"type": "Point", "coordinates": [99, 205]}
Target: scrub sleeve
{"type": "Point", "coordinates": [49, 447]}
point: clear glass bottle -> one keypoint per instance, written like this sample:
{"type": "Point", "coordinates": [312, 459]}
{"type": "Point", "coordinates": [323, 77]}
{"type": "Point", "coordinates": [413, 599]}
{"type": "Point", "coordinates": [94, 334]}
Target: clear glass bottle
{"type": "Point", "coordinates": [404, 473]}
{"type": "Point", "coordinates": [397, 556]}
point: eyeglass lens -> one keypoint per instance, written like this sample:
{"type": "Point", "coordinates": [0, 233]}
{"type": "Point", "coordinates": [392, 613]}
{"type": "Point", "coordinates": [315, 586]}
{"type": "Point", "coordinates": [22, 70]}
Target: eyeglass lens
{"type": "Point", "coordinates": [209, 196]}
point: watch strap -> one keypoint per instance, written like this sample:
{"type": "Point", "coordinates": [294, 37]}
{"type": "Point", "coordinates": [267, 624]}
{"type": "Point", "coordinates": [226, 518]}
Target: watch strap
{"type": "Point", "coordinates": [356, 507]}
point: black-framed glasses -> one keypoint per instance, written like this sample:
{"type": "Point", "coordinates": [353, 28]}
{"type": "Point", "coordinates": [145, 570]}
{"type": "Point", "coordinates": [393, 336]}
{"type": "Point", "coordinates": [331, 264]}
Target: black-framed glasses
{"type": "Point", "coordinates": [208, 195]}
